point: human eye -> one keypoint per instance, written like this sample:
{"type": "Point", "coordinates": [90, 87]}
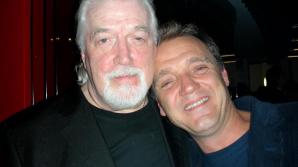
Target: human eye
{"type": "Point", "coordinates": [200, 69]}
{"type": "Point", "coordinates": [166, 83]}
{"type": "Point", "coordinates": [103, 39]}
{"type": "Point", "coordinates": [139, 38]}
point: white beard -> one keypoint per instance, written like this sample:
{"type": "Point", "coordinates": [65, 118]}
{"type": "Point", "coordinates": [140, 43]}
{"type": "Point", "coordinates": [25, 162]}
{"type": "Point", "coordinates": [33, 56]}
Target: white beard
{"type": "Point", "coordinates": [125, 96]}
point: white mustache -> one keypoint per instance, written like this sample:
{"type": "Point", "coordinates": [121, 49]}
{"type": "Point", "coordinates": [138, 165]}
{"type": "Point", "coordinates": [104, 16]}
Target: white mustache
{"type": "Point", "coordinates": [124, 71]}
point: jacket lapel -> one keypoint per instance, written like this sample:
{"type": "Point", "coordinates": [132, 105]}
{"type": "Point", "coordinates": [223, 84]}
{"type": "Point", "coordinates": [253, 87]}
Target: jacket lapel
{"type": "Point", "coordinates": [86, 144]}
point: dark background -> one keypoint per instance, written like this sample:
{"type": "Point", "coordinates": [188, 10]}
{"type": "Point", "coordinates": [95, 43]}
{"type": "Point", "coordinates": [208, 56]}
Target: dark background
{"type": "Point", "coordinates": [39, 51]}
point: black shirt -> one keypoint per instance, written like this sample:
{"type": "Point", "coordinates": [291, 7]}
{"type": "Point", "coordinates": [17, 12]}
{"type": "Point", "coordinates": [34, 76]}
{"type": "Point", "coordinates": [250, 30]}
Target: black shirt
{"type": "Point", "coordinates": [134, 139]}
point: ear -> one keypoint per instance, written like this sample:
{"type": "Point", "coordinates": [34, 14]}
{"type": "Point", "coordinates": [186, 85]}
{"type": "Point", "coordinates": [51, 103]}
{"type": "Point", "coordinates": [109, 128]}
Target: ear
{"type": "Point", "coordinates": [225, 76]}
{"type": "Point", "coordinates": [161, 111]}
{"type": "Point", "coordinates": [83, 58]}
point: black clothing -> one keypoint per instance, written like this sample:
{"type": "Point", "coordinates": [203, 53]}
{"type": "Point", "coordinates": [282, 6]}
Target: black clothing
{"type": "Point", "coordinates": [60, 132]}
{"type": "Point", "coordinates": [131, 141]}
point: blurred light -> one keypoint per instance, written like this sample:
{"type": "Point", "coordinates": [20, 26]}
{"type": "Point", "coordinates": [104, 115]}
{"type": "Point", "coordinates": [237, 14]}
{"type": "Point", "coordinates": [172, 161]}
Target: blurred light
{"type": "Point", "coordinates": [265, 82]}
{"type": "Point", "coordinates": [227, 62]}
{"type": "Point", "coordinates": [295, 26]}
{"type": "Point", "coordinates": [230, 55]}
{"type": "Point", "coordinates": [292, 56]}
{"type": "Point", "coordinates": [69, 39]}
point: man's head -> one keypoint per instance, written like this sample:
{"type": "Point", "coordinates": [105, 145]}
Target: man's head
{"type": "Point", "coordinates": [86, 5]}
{"type": "Point", "coordinates": [190, 80]}
{"type": "Point", "coordinates": [117, 39]}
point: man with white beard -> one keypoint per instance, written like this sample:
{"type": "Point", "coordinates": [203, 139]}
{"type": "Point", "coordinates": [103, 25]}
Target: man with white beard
{"type": "Point", "coordinates": [109, 121]}
{"type": "Point", "coordinates": [126, 95]}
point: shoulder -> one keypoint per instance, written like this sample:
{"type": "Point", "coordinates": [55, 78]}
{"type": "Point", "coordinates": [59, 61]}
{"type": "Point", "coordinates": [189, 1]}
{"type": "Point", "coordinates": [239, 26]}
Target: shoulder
{"type": "Point", "coordinates": [264, 115]}
{"type": "Point", "coordinates": [268, 113]}
{"type": "Point", "coordinates": [289, 109]}
{"type": "Point", "coordinates": [251, 103]}
{"type": "Point", "coordinates": [275, 124]}
{"type": "Point", "coordinates": [256, 107]}
{"type": "Point", "coordinates": [42, 118]}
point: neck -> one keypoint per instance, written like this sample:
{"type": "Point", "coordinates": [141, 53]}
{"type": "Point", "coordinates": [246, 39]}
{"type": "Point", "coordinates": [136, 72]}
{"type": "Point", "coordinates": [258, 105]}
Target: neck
{"type": "Point", "coordinates": [237, 125]}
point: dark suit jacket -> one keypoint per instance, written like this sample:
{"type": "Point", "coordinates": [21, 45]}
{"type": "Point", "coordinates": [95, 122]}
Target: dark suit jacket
{"type": "Point", "coordinates": [60, 133]}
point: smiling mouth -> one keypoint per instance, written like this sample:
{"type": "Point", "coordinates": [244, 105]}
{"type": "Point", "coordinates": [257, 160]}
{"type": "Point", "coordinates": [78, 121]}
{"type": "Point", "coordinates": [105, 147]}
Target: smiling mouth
{"type": "Point", "coordinates": [197, 103]}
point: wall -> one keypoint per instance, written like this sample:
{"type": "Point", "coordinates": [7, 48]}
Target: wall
{"type": "Point", "coordinates": [38, 56]}
{"type": "Point", "coordinates": [15, 73]}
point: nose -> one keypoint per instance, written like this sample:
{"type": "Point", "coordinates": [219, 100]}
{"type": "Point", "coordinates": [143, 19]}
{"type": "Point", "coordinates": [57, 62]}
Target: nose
{"type": "Point", "coordinates": [187, 85]}
{"type": "Point", "coordinates": [123, 54]}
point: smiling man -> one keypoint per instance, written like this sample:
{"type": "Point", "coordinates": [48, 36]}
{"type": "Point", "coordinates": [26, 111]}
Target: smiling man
{"type": "Point", "coordinates": [190, 84]}
{"type": "Point", "coordinates": [109, 121]}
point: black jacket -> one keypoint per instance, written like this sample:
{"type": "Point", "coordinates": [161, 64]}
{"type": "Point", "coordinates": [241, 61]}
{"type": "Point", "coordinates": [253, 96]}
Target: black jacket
{"type": "Point", "coordinates": [59, 133]}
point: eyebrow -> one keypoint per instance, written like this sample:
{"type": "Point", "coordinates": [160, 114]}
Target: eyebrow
{"type": "Point", "coordinates": [205, 59]}
{"type": "Point", "coordinates": [100, 30]}
{"type": "Point", "coordinates": [142, 28]}
{"type": "Point", "coordinates": [97, 31]}
{"type": "Point", "coordinates": [162, 73]}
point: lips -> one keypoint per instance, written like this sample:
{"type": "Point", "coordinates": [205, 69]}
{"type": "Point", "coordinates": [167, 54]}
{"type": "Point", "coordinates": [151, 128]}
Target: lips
{"type": "Point", "coordinates": [196, 103]}
{"type": "Point", "coordinates": [125, 77]}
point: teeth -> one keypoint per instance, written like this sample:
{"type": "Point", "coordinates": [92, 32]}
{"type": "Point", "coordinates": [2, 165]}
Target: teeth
{"type": "Point", "coordinates": [196, 103]}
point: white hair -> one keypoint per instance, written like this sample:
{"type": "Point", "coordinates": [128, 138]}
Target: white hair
{"type": "Point", "coordinates": [82, 23]}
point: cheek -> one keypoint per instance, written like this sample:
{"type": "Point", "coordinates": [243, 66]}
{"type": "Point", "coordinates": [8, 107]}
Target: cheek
{"type": "Point", "coordinates": [101, 63]}
{"type": "Point", "coordinates": [213, 83]}
{"type": "Point", "coordinates": [144, 53]}
{"type": "Point", "coordinates": [175, 112]}
{"type": "Point", "coordinates": [164, 100]}
{"type": "Point", "coordinates": [170, 104]}
{"type": "Point", "coordinates": [144, 61]}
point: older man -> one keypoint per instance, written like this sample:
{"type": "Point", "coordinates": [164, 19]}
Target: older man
{"type": "Point", "coordinates": [109, 121]}
{"type": "Point", "coordinates": [191, 86]}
